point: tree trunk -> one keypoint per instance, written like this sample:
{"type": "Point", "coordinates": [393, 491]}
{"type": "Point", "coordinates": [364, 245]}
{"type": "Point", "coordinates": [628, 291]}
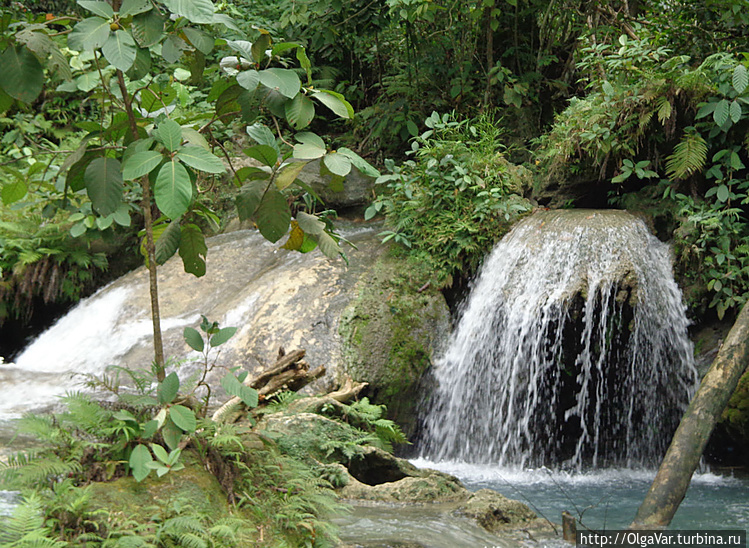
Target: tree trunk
{"type": "Point", "coordinates": [683, 455]}
{"type": "Point", "coordinates": [158, 344]}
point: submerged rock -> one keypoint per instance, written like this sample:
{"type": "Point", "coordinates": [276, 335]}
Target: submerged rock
{"type": "Point", "coordinates": [496, 513]}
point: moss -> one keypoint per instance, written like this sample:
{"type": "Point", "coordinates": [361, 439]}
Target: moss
{"type": "Point", "coordinates": [390, 333]}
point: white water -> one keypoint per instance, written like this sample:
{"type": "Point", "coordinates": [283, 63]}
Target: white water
{"type": "Point", "coordinates": [572, 350]}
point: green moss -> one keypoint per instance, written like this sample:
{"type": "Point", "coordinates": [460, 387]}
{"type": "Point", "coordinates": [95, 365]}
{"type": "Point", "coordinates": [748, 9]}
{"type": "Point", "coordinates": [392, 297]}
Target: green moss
{"type": "Point", "coordinates": [391, 330]}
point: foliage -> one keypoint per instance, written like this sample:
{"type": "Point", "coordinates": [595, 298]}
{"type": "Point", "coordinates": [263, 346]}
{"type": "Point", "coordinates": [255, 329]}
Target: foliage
{"type": "Point", "coordinates": [455, 198]}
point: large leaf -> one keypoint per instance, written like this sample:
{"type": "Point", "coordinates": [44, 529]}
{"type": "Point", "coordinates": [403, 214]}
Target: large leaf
{"type": "Point", "coordinates": [22, 74]}
{"type": "Point", "coordinates": [310, 146]}
{"type": "Point", "coordinates": [735, 111]}
{"type": "Point", "coordinates": [338, 164]}
{"type": "Point", "coordinates": [120, 50]}
{"type": "Point", "coordinates": [311, 224]}
{"type": "Point", "coordinates": [167, 241]}
{"type": "Point", "coordinates": [740, 79]}
{"type": "Point", "coordinates": [171, 433]}
{"type": "Point", "coordinates": [200, 159]}
{"type": "Point", "coordinates": [14, 191]}
{"type": "Point", "coordinates": [140, 164]}
{"type": "Point", "coordinates": [249, 198]}
{"type": "Point", "coordinates": [288, 174]}
{"type": "Point", "coordinates": [99, 8]}
{"type": "Point", "coordinates": [6, 101]}
{"type": "Point", "coordinates": [173, 189]}
{"type": "Point", "coordinates": [300, 111]}
{"type": "Point", "coordinates": [328, 245]}
{"type": "Point", "coordinates": [169, 133]}
{"type": "Point", "coordinates": [141, 65]}
{"type": "Point", "coordinates": [148, 28]}
{"type": "Point", "coordinates": [335, 102]}
{"type": "Point", "coordinates": [264, 154]}
{"type": "Point", "coordinates": [273, 216]}
{"type": "Point", "coordinates": [721, 112]}
{"type": "Point", "coordinates": [134, 7]}
{"type": "Point", "coordinates": [262, 135]}
{"type": "Point", "coordinates": [222, 336]}
{"type": "Point", "coordinates": [284, 81]}
{"type": "Point", "coordinates": [193, 250]}
{"type": "Point", "coordinates": [199, 40]}
{"type": "Point", "coordinates": [89, 34]}
{"type": "Point", "coordinates": [104, 185]}
{"type": "Point", "coordinates": [196, 11]}
{"type": "Point", "coordinates": [358, 162]}
{"type": "Point", "coordinates": [139, 459]}
{"type": "Point", "coordinates": [168, 388]}
{"type": "Point", "coordinates": [194, 339]}
{"type": "Point", "coordinates": [260, 46]}
{"type": "Point", "coordinates": [248, 79]}
{"type": "Point", "coordinates": [183, 418]}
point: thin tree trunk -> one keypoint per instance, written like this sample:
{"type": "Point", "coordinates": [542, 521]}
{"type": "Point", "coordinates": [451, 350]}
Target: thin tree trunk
{"type": "Point", "coordinates": [158, 344]}
{"type": "Point", "coordinates": [684, 453]}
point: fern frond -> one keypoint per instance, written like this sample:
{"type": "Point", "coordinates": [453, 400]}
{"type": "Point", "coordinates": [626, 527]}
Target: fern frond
{"type": "Point", "coordinates": [689, 156]}
{"type": "Point", "coordinates": [27, 528]}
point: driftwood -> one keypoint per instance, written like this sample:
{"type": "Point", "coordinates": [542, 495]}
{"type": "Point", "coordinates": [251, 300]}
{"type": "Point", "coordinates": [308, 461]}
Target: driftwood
{"type": "Point", "coordinates": [348, 390]}
{"type": "Point", "coordinates": [288, 373]}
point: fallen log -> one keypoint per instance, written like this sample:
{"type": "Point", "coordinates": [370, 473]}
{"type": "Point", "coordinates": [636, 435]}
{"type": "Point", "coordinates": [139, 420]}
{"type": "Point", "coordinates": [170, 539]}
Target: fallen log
{"type": "Point", "coordinates": [288, 373]}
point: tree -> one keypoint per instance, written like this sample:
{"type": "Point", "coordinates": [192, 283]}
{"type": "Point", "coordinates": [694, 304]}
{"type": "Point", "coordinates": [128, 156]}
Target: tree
{"type": "Point", "coordinates": [124, 53]}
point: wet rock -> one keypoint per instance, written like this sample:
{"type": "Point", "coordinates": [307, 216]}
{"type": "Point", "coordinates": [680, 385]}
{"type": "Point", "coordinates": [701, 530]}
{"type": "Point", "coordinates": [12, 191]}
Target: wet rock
{"type": "Point", "coordinates": [356, 190]}
{"type": "Point", "coordinates": [496, 513]}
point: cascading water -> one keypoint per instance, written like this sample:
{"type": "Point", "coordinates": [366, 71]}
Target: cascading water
{"type": "Point", "coordinates": [571, 351]}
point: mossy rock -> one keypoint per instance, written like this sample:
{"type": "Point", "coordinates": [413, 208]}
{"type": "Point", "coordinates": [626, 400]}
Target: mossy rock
{"type": "Point", "coordinates": [496, 513]}
{"type": "Point", "coordinates": [391, 332]}
{"type": "Point", "coordinates": [138, 501]}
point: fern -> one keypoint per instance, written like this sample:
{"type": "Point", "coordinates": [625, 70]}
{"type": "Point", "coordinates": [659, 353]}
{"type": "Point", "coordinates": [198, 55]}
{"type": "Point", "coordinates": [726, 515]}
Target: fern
{"type": "Point", "coordinates": [26, 528]}
{"type": "Point", "coordinates": [689, 156]}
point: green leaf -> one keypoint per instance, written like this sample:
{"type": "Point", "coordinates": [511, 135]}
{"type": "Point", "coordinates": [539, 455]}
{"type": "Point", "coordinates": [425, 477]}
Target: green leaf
{"type": "Point", "coordinates": [310, 146]}
{"type": "Point", "coordinates": [721, 112]}
{"type": "Point", "coordinates": [248, 199]}
{"type": "Point", "coordinates": [273, 216]}
{"type": "Point", "coordinates": [167, 241]}
{"type": "Point", "coordinates": [723, 193]}
{"type": "Point", "coordinates": [199, 40]}
{"type": "Point", "coordinates": [264, 154]}
{"type": "Point", "coordinates": [328, 245]}
{"type": "Point", "coordinates": [735, 112]}
{"type": "Point", "coordinates": [140, 164]}
{"type": "Point", "coordinates": [89, 34]}
{"type": "Point", "coordinates": [194, 339]}
{"type": "Point", "coordinates": [168, 388]}
{"type": "Point", "coordinates": [193, 250]}
{"type": "Point", "coordinates": [288, 174]}
{"type": "Point", "coordinates": [200, 159]}
{"type": "Point", "coordinates": [311, 224]}
{"type": "Point", "coordinates": [135, 7]}
{"type": "Point", "coordinates": [104, 185]}
{"type": "Point", "coordinates": [740, 79]}
{"type": "Point", "coordinates": [171, 433]}
{"type": "Point", "coordinates": [248, 79]}
{"type": "Point", "coordinates": [688, 157]}
{"type": "Point", "coordinates": [14, 191]}
{"type": "Point", "coordinates": [173, 189]}
{"type": "Point", "coordinates": [99, 8]}
{"type": "Point", "coordinates": [160, 453]}
{"type": "Point", "coordinates": [196, 11]}
{"type": "Point", "coordinates": [338, 164]}
{"type": "Point", "coordinates": [300, 111]}
{"type": "Point", "coordinates": [359, 163]}
{"type": "Point", "coordinates": [139, 458]}
{"type": "Point", "coordinates": [148, 28]}
{"type": "Point", "coordinates": [222, 336]}
{"type": "Point", "coordinates": [120, 50]}
{"type": "Point", "coordinates": [233, 387]}
{"type": "Point", "coordinates": [6, 101]}
{"type": "Point", "coordinates": [262, 135]}
{"type": "Point", "coordinates": [169, 133]}
{"type": "Point", "coordinates": [183, 417]}
{"type": "Point", "coordinates": [260, 46]}
{"type": "Point", "coordinates": [22, 74]}
{"type": "Point", "coordinates": [284, 81]}
{"type": "Point", "coordinates": [141, 65]}
{"type": "Point", "coordinates": [335, 102]}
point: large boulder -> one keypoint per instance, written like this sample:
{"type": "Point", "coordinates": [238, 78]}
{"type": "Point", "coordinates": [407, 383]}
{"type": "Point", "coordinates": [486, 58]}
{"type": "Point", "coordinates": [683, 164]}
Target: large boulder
{"type": "Point", "coordinates": [391, 333]}
{"type": "Point", "coordinates": [356, 190]}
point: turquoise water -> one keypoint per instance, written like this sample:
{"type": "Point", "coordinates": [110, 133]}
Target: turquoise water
{"type": "Point", "coordinates": [608, 499]}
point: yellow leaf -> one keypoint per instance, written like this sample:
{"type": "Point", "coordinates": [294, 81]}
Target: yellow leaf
{"type": "Point", "coordinates": [296, 238]}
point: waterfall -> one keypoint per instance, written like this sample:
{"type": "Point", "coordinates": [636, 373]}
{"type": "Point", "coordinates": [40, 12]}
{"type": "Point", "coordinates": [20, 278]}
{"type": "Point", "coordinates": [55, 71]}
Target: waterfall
{"type": "Point", "coordinates": [571, 350]}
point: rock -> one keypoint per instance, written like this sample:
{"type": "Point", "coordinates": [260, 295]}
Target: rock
{"type": "Point", "coordinates": [391, 333]}
{"type": "Point", "coordinates": [356, 190]}
{"type": "Point", "coordinates": [496, 513]}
